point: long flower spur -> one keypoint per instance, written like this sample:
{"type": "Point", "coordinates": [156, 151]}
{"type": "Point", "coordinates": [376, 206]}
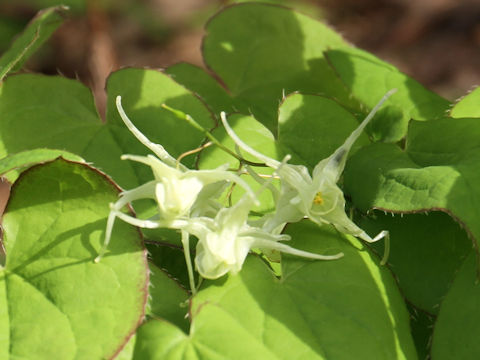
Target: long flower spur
{"type": "Point", "coordinates": [315, 196]}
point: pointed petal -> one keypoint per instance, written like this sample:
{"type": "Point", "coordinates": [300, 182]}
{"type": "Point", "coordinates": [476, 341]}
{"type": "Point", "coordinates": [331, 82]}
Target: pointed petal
{"type": "Point", "coordinates": [336, 162]}
{"type": "Point", "coordinates": [296, 176]}
{"type": "Point", "coordinates": [232, 219]}
{"type": "Point", "coordinates": [212, 176]}
{"type": "Point", "coordinates": [267, 160]}
{"type": "Point", "coordinates": [157, 149]}
{"type": "Point", "coordinates": [208, 265]}
{"type": "Point", "coordinates": [151, 224]}
{"type": "Point", "coordinates": [275, 192]}
{"type": "Point", "coordinates": [145, 191]}
{"type": "Point", "coordinates": [268, 244]}
{"type": "Point", "coordinates": [159, 168]}
{"type": "Point", "coordinates": [342, 222]}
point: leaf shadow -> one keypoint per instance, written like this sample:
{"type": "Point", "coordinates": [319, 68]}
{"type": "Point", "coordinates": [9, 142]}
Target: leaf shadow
{"type": "Point", "coordinates": [357, 304]}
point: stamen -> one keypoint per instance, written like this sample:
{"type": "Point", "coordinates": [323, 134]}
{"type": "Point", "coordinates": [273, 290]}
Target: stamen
{"type": "Point", "coordinates": [318, 199]}
{"type": "Point", "coordinates": [191, 152]}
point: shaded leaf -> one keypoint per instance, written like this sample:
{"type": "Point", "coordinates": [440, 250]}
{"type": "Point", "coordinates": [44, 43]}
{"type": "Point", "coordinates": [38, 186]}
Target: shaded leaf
{"type": "Point", "coordinates": [259, 138]}
{"type": "Point", "coordinates": [65, 117]}
{"type": "Point", "coordinates": [369, 78]}
{"type": "Point", "coordinates": [307, 314]}
{"type": "Point", "coordinates": [168, 254]}
{"type": "Point", "coordinates": [457, 326]}
{"type": "Point", "coordinates": [246, 45]}
{"type": "Point", "coordinates": [435, 172]}
{"type": "Point", "coordinates": [313, 127]}
{"type": "Point", "coordinates": [168, 298]}
{"type": "Point", "coordinates": [201, 83]}
{"type": "Point", "coordinates": [422, 331]}
{"type": "Point", "coordinates": [426, 252]}
{"type": "Point", "coordinates": [36, 33]}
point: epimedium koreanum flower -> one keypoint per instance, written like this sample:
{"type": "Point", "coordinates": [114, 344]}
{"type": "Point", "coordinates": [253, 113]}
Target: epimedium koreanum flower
{"type": "Point", "coordinates": [176, 189]}
{"type": "Point", "coordinates": [185, 200]}
{"type": "Point", "coordinates": [315, 196]}
{"type": "Point", "coordinates": [225, 241]}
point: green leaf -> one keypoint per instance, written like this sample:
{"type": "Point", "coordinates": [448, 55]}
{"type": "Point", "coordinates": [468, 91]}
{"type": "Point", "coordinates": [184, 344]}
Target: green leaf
{"type": "Point", "coordinates": [468, 106]}
{"type": "Point", "coordinates": [201, 83]}
{"type": "Point", "coordinates": [167, 253]}
{"type": "Point", "coordinates": [246, 46]}
{"type": "Point", "coordinates": [313, 127]}
{"type": "Point", "coordinates": [168, 298]}
{"type": "Point", "coordinates": [9, 27]}
{"type": "Point", "coordinates": [259, 138]}
{"type": "Point", "coordinates": [36, 33]}
{"type": "Point", "coordinates": [368, 79]}
{"type": "Point", "coordinates": [309, 313]}
{"type": "Point", "coordinates": [56, 302]}
{"type": "Point", "coordinates": [435, 172]}
{"type": "Point", "coordinates": [143, 92]}
{"type": "Point", "coordinates": [127, 352]}
{"type": "Point", "coordinates": [247, 128]}
{"type": "Point", "coordinates": [426, 252]}
{"type": "Point", "coordinates": [215, 335]}
{"type": "Point", "coordinates": [457, 326]}
{"type": "Point", "coordinates": [65, 117]}
{"type": "Point", "coordinates": [422, 331]}
{"type": "Point", "coordinates": [310, 128]}
{"type": "Point", "coordinates": [15, 162]}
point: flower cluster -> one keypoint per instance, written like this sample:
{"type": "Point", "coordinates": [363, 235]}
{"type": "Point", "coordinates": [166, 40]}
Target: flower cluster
{"type": "Point", "coordinates": [187, 201]}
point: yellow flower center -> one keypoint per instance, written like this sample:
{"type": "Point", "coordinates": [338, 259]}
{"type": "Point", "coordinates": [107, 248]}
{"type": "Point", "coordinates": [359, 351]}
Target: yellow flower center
{"type": "Point", "coordinates": [318, 200]}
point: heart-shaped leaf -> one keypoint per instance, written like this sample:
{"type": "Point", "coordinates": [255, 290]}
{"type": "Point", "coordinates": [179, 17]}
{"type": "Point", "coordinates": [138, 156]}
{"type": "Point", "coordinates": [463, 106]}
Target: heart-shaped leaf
{"type": "Point", "coordinates": [309, 313]}
{"type": "Point", "coordinates": [246, 45]}
{"type": "Point", "coordinates": [64, 117]}
{"type": "Point", "coordinates": [56, 302]}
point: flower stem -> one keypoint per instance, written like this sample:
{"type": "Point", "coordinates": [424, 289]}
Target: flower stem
{"type": "Point", "coordinates": [188, 260]}
{"type": "Point", "coordinates": [181, 115]}
{"type": "Point", "coordinates": [386, 251]}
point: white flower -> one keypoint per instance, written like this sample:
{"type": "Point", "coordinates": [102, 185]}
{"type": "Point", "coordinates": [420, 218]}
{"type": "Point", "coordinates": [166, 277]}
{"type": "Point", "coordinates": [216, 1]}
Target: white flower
{"type": "Point", "coordinates": [176, 189]}
{"type": "Point", "coordinates": [317, 197]}
{"type": "Point", "coordinates": [225, 241]}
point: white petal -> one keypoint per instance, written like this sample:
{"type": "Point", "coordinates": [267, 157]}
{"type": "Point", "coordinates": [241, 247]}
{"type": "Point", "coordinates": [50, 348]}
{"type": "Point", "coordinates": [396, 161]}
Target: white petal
{"type": "Point", "coordinates": [157, 149]}
{"type": "Point", "coordinates": [336, 162]}
{"type": "Point", "coordinates": [267, 160]}
{"type": "Point", "coordinates": [267, 244]}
